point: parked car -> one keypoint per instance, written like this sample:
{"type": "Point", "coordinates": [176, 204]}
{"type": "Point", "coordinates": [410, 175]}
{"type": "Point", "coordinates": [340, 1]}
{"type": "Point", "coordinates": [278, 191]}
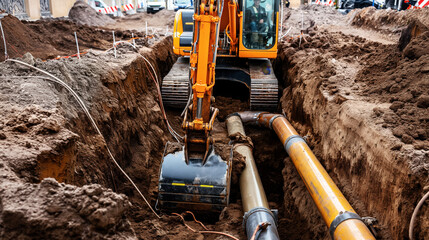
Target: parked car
{"type": "Point", "coordinates": [154, 6]}
{"type": "Point", "coordinates": [98, 5]}
{"type": "Point", "coordinates": [182, 4]}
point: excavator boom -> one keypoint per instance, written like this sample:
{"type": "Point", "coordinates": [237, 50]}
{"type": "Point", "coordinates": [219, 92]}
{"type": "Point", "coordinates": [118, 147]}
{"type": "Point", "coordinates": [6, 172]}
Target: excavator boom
{"type": "Point", "coordinates": [195, 177]}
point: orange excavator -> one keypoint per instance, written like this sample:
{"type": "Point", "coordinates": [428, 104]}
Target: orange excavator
{"type": "Point", "coordinates": [228, 43]}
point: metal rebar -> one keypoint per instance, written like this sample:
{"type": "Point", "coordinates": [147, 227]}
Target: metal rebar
{"type": "Point", "coordinates": [77, 45]}
{"type": "Point", "coordinates": [114, 43]}
{"type": "Point", "coordinates": [134, 41]}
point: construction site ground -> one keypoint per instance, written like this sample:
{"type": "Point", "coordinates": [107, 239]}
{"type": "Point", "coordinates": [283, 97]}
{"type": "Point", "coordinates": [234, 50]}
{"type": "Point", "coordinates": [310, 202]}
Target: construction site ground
{"type": "Point", "coordinates": [356, 86]}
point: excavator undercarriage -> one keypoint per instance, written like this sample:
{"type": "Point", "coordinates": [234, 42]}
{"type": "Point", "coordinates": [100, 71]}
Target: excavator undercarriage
{"type": "Point", "coordinates": [256, 75]}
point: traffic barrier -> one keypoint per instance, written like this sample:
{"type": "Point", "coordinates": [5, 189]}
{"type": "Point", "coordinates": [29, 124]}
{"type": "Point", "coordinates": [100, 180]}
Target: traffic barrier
{"type": "Point", "coordinates": [325, 3]}
{"type": "Point", "coordinates": [419, 4]}
{"type": "Point", "coordinates": [423, 3]}
{"type": "Point", "coordinates": [128, 7]}
{"type": "Point", "coordinates": [108, 10]}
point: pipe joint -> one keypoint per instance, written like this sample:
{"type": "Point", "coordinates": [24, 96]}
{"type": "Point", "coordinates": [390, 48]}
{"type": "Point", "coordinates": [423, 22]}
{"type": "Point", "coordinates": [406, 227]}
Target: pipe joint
{"type": "Point", "coordinates": [291, 140]}
{"type": "Point", "coordinates": [341, 217]}
{"type": "Point", "coordinates": [274, 118]}
{"type": "Point", "coordinates": [256, 216]}
{"type": "Point", "coordinates": [262, 119]}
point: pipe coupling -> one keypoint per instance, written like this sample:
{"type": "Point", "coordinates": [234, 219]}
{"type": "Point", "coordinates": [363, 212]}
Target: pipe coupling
{"type": "Point", "coordinates": [255, 217]}
{"type": "Point", "coordinates": [341, 217]}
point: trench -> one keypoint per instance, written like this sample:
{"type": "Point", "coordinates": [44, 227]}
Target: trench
{"type": "Point", "coordinates": [129, 116]}
{"type": "Point", "coordinates": [131, 122]}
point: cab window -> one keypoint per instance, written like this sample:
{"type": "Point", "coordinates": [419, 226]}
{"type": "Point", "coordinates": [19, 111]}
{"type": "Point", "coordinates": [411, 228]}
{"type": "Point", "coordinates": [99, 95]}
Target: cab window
{"type": "Point", "coordinates": [259, 26]}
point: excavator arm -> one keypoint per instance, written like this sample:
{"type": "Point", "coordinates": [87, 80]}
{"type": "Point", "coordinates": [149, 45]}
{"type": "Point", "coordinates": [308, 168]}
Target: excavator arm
{"type": "Point", "coordinates": [199, 118]}
{"type": "Point", "coordinates": [196, 178]}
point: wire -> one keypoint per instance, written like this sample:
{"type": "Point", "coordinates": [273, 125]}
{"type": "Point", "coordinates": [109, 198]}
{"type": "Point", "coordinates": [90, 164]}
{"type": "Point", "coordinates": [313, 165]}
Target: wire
{"type": "Point", "coordinates": [220, 233]}
{"type": "Point", "coordinates": [262, 226]}
{"type": "Point", "coordinates": [413, 217]}
{"type": "Point", "coordinates": [4, 42]}
{"type": "Point", "coordinates": [184, 222]}
{"type": "Point", "coordinates": [156, 81]}
{"type": "Point", "coordinates": [203, 232]}
{"type": "Point", "coordinates": [189, 212]}
{"type": "Point", "coordinates": [85, 109]}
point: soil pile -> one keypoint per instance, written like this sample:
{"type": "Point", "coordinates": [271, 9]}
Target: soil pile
{"type": "Point", "coordinates": [60, 34]}
{"type": "Point", "coordinates": [21, 39]}
{"type": "Point", "coordinates": [338, 91]}
{"type": "Point", "coordinates": [387, 20]}
{"type": "Point", "coordinates": [157, 23]}
{"type": "Point", "coordinates": [402, 79]}
{"type": "Point", "coordinates": [308, 17]}
{"type": "Point", "coordinates": [83, 14]}
{"type": "Point", "coordinates": [50, 38]}
{"type": "Point", "coordinates": [51, 210]}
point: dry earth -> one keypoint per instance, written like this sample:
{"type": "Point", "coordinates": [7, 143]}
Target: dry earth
{"type": "Point", "coordinates": [351, 84]}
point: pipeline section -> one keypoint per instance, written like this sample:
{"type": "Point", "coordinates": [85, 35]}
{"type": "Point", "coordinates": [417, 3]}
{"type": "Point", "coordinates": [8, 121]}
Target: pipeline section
{"type": "Point", "coordinates": [259, 221]}
{"type": "Point", "coordinates": [343, 222]}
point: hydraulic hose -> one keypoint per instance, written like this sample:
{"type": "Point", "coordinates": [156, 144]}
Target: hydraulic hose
{"type": "Point", "coordinates": [343, 222]}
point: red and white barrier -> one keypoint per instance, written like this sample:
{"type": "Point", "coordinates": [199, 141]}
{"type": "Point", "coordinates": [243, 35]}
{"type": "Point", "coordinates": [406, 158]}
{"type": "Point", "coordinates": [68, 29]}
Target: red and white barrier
{"type": "Point", "coordinates": [326, 2]}
{"type": "Point", "coordinates": [128, 7]}
{"type": "Point", "coordinates": [420, 4]}
{"type": "Point", "coordinates": [329, 3]}
{"type": "Point", "coordinates": [423, 3]}
{"type": "Point", "coordinates": [109, 10]}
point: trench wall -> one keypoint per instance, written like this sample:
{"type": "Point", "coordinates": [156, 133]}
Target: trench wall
{"type": "Point", "coordinates": [361, 156]}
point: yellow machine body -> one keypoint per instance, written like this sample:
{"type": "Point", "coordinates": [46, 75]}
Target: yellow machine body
{"type": "Point", "coordinates": [233, 25]}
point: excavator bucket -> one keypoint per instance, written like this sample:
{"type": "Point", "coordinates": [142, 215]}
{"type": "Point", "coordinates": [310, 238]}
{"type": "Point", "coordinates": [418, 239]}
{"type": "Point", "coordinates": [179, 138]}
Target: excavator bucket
{"type": "Point", "coordinates": [193, 185]}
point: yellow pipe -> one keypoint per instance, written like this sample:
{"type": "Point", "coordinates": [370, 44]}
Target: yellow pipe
{"type": "Point", "coordinates": [337, 213]}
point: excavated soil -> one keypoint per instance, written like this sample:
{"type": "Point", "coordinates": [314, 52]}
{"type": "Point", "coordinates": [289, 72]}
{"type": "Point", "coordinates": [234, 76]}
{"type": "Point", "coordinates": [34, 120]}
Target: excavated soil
{"type": "Point", "coordinates": [83, 14]}
{"type": "Point", "coordinates": [50, 38]}
{"type": "Point", "coordinates": [358, 92]}
{"type": "Point", "coordinates": [362, 103]}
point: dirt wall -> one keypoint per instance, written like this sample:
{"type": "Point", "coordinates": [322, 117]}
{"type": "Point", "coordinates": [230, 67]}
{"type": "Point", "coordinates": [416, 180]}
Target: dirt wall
{"type": "Point", "coordinates": [45, 134]}
{"type": "Point", "coordinates": [323, 96]}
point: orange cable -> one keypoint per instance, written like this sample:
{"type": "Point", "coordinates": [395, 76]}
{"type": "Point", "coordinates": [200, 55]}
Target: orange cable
{"type": "Point", "coordinates": [203, 232]}
{"type": "Point", "coordinates": [197, 220]}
